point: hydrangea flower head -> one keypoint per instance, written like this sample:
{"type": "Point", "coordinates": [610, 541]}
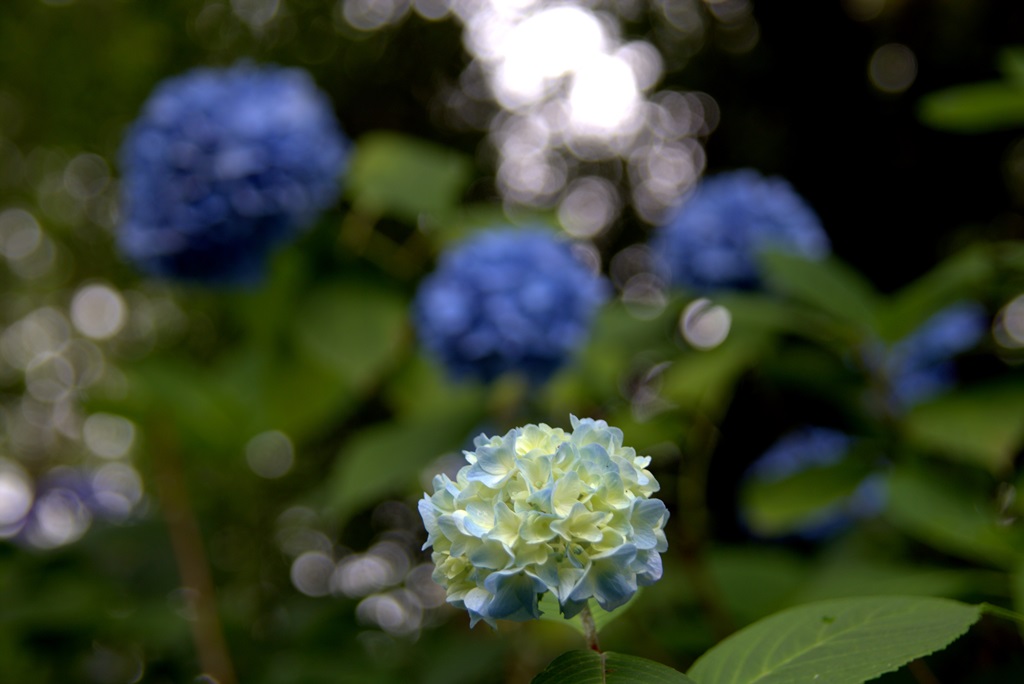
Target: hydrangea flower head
{"type": "Point", "coordinates": [713, 241]}
{"type": "Point", "coordinates": [221, 166]}
{"type": "Point", "coordinates": [921, 365]}
{"type": "Point", "coordinates": [540, 509]}
{"type": "Point", "coordinates": [507, 299]}
{"type": "Point", "coordinates": [806, 449]}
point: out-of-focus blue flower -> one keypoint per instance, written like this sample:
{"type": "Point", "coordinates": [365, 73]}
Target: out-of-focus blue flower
{"type": "Point", "coordinates": [507, 299]}
{"type": "Point", "coordinates": [806, 449]}
{"type": "Point", "coordinates": [713, 240]}
{"type": "Point", "coordinates": [542, 510]}
{"type": "Point", "coordinates": [221, 166]}
{"type": "Point", "coordinates": [920, 365]}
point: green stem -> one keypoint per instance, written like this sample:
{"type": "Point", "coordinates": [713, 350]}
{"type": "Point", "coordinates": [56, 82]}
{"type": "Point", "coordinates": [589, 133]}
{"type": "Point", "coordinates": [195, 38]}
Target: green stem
{"type": "Point", "coordinates": [589, 628]}
{"type": "Point", "coordinates": [190, 557]}
{"type": "Point", "coordinates": [691, 494]}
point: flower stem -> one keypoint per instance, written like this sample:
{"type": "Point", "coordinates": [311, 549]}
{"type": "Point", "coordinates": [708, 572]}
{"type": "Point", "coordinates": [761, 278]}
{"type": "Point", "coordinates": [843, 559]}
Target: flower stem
{"type": "Point", "coordinates": [589, 628]}
{"type": "Point", "coordinates": [189, 555]}
{"type": "Point", "coordinates": [692, 497]}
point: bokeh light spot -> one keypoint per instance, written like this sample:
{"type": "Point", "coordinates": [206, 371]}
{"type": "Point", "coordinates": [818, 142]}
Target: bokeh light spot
{"type": "Point", "coordinates": [98, 311]}
{"type": "Point", "coordinates": [108, 435]}
{"type": "Point", "coordinates": [311, 573]}
{"type": "Point", "coordinates": [270, 454]}
{"type": "Point", "coordinates": [893, 68]}
{"type": "Point", "coordinates": [59, 517]}
{"type": "Point", "coordinates": [15, 495]}
{"type": "Point", "coordinates": [1008, 327]}
{"type": "Point", "coordinates": [705, 325]}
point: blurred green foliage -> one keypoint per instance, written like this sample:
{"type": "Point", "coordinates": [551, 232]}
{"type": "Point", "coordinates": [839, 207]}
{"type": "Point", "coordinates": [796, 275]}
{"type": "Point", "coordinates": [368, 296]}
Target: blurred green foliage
{"type": "Point", "coordinates": [324, 353]}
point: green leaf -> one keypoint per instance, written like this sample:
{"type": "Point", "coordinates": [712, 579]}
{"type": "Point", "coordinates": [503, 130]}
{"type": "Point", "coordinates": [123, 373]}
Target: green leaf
{"type": "Point", "coordinates": [975, 107]}
{"type": "Point", "coordinates": [550, 612]}
{"type": "Point", "coordinates": [190, 396]}
{"type": "Point", "coordinates": [981, 425]}
{"type": "Point", "coordinates": [827, 284]}
{"type": "Point", "coordinates": [961, 276]}
{"type": "Point", "coordinates": [1017, 588]}
{"type": "Point", "coordinates": [843, 641]}
{"type": "Point", "coordinates": [267, 385]}
{"type": "Point", "coordinates": [387, 459]}
{"type": "Point", "coordinates": [783, 506]}
{"type": "Point", "coordinates": [459, 222]}
{"type": "Point", "coordinates": [590, 667]}
{"type": "Point", "coordinates": [850, 574]}
{"type": "Point", "coordinates": [353, 329]}
{"type": "Point", "coordinates": [703, 380]}
{"type": "Point", "coordinates": [755, 580]}
{"type": "Point", "coordinates": [943, 514]}
{"type": "Point", "coordinates": [404, 177]}
{"type": "Point", "coordinates": [1011, 63]}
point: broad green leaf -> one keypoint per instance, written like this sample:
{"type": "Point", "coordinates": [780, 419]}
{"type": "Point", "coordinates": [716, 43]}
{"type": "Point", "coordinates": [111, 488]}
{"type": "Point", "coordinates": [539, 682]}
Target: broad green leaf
{"type": "Point", "coordinates": [843, 641]}
{"type": "Point", "coordinates": [961, 276]}
{"type": "Point", "coordinates": [263, 312]}
{"type": "Point", "coordinates": [550, 612]}
{"type": "Point", "coordinates": [420, 390]}
{"type": "Point", "coordinates": [458, 222]}
{"type": "Point", "coordinates": [611, 353]}
{"type": "Point", "coordinates": [755, 581]}
{"type": "Point", "coordinates": [267, 384]}
{"type": "Point", "coordinates": [1017, 588]}
{"type": "Point", "coordinates": [827, 284]}
{"type": "Point", "coordinates": [703, 380]}
{"type": "Point", "coordinates": [353, 329]}
{"type": "Point", "coordinates": [783, 506]}
{"type": "Point", "coordinates": [404, 177]}
{"type": "Point", "coordinates": [975, 107]}
{"type": "Point", "coordinates": [186, 394]}
{"type": "Point", "coordinates": [852, 576]}
{"type": "Point", "coordinates": [387, 459]}
{"type": "Point", "coordinates": [981, 425]}
{"type": "Point", "coordinates": [1011, 63]}
{"type": "Point", "coordinates": [945, 515]}
{"type": "Point", "coordinates": [757, 312]}
{"type": "Point", "coordinates": [590, 667]}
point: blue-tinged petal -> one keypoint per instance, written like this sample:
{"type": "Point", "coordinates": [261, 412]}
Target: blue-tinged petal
{"type": "Point", "coordinates": [476, 603]}
{"type": "Point", "coordinates": [494, 465]}
{"type": "Point", "coordinates": [649, 517]}
{"type": "Point", "coordinates": [480, 514]}
{"type": "Point", "coordinates": [609, 579]}
{"type": "Point", "coordinates": [514, 596]}
{"type": "Point", "coordinates": [489, 554]}
{"type": "Point", "coordinates": [648, 567]}
{"type": "Point", "coordinates": [428, 511]}
{"type": "Point", "coordinates": [571, 608]}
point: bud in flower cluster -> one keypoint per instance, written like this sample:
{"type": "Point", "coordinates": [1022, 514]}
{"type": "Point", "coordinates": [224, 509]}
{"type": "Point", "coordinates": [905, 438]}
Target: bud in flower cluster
{"type": "Point", "coordinates": [513, 299]}
{"type": "Point", "coordinates": [223, 165]}
{"type": "Point", "coordinates": [713, 241]}
{"type": "Point", "coordinates": [544, 510]}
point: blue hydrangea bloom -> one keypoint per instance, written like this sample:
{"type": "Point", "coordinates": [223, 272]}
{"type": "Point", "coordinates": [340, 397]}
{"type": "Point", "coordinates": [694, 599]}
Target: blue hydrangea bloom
{"type": "Point", "coordinates": [805, 449]}
{"type": "Point", "coordinates": [540, 509]}
{"type": "Point", "coordinates": [221, 166]}
{"type": "Point", "coordinates": [713, 240]}
{"type": "Point", "coordinates": [920, 365]}
{"type": "Point", "coordinates": [507, 299]}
